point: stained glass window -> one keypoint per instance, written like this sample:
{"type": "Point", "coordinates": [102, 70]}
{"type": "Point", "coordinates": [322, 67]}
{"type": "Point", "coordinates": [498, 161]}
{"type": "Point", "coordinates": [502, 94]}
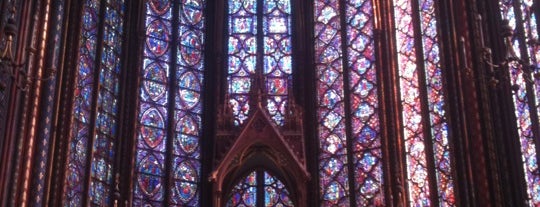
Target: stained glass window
{"type": "Point", "coordinates": [409, 84]}
{"type": "Point", "coordinates": [259, 27]}
{"type": "Point", "coordinates": [91, 149]}
{"type": "Point", "coordinates": [169, 128]}
{"type": "Point", "coordinates": [349, 130]}
{"type": "Point", "coordinates": [247, 191]}
{"type": "Point", "coordinates": [522, 20]}
{"type": "Point", "coordinates": [420, 73]}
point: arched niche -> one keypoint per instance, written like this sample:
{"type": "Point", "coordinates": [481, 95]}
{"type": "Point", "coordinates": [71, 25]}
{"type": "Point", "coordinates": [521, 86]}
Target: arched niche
{"type": "Point", "coordinates": [260, 144]}
{"type": "Point", "coordinates": [282, 185]}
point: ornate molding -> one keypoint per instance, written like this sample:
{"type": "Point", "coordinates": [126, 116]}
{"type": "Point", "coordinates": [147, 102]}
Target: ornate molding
{"type": "Point", "coordinates": [259, 143]}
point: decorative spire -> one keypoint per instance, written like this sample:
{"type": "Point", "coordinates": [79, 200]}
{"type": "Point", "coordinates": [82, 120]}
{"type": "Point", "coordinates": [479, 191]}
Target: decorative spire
{"type": "Point", "coordinates": [293, 112]}
{"type": "Point", "coordinates": [256, 91]}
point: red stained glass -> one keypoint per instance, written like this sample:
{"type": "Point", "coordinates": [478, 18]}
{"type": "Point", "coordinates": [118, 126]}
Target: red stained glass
{"type": "Point", "coordinates": [246, 191]}
{"type": "Point", "coordinates": [242, 49]}
{"type": "Point", "coordinates": [155, 117]}
{"type": "Point", "coordinates": [363, 103]}
{"type": "Point", "coordinates": [275, 64]}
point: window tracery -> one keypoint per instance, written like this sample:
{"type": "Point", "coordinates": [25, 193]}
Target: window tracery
{"type": "Point", "coordinates": [92, 149]}
{"type": "Point", "coordinates": [349, 131]}
{"type": "Point", "coordinates": [168, 155]}
{"type": "Point", "coordinates": [259, 188]}
{"type": "Point", "coordinates": [259, 47]}
{"type": "Point", "coordinates": [522, 19]}
{"type": "Point", "coordinates": [168, 151]}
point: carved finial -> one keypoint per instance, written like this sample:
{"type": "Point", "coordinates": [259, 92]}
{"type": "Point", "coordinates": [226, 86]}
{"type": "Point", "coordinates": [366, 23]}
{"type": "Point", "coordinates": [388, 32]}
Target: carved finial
{"type": "Point", "coordinates": [293, 114]}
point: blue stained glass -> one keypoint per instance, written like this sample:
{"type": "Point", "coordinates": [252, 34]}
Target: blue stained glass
{"type": "Point", "coordinates": [153, 117]}
{"type": "Point", "coordinates": [185, 191]}
{"type": "Point", "coordinates": [150, 165]}
{"type": "Point", "coordinates": [436, 103]}
{"type": "Point", "coordinates": [188, 144]}
{"type": "Point", "coordinates": [414, 139]}
{"type": "Point", "coordinates": [103, 133]}
{"type": "Point", "coordinates": [158, 30]}
{"type": "Point", "coordinates": [156, 72]}
{"type": "Point", "coordinates": [112, 17]}
{"type": "Point", "coordinates": [159, 6]}
{"type": "Point", "coordinates": [277, 56]}
{"type": "Point", "coordinates": [245, 192]}
{"type": "Point", "coordinates": [189, 91]}
{"type": "Point", "coordinates": [188, 104]}
{"type": "Point", "coordinates": [187, 125]}
{"type": "Point", "coordinates": [185, 172]}
{"type": "Point", "coordinates": [186, 176]}
{"type": "Point", "coordinates": [334, 192]}
{"type": "Point", "coordinates": [82, 106]}
{"type": "Point", "coordinates": [242, 47]}
{"type": "Point", "coordinates": [276, 193]}
{"type": "Point", "coordinates": [157, 46]}
{"type": "Point", "coordinates": [151, 186]}
{"type": "Point", "coordinates": [153, 135]}
{"type": "Point", "coordinates": [98, 192]}
{"type": "Point", "coordinates": [154, 91]}
{"type": "Point", "coordinates": [242, 58]}
{"type": "Point", "coordinates": [277, 25]}
{"type": "Point", "coordinates": [192, 12]}
{"type": "Point", "coordinates": [243, 25]}
{"type": "Point", "coordinates": [89, 18]}
{"type": "Point", "coordinates": [106, 122]}
{"type": "Point", "coordinates": [190, 50]}
{"type": "Point", "coordinates": [241, 85]}
{"type": "Point", "coordinates": [331, 98]}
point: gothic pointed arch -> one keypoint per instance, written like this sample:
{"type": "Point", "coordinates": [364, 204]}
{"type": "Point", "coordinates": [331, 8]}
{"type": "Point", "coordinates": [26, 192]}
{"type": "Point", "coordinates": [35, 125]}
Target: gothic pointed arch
{"type": "Point", "coordinates": [260, 144]}
{"type": "Point", "coordinates": [269, 103]}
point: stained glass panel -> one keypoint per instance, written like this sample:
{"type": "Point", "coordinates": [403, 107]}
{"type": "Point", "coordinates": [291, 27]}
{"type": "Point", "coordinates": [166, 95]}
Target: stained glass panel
{"type": "Point", "coordinates": [358, 55]}
{"type": "Point", "coordinates": [186, 41]}
{"type": "Point", "coordinates": [362, 83]}
{"type": "Point", "coordinates": [417, 172]}
{"type": "Point", "coordinates": [188, 104]}
{"type": "Point", "coordinates": [439, 127]}
{"type": "Point", "coordinates": [247, 192]}
{"type": "Point", "coordinates": [242, 55]}
{"type": "Point", "coordinates": [106, 123]}
{"type": "Point", "coordinates": [521, 97]}
{"type": "Point", "coordinates": [246, 32]}
{"type": "Point", "coordinates": [81, 129]}
{"type": "Point", "coordinates": [333, 171]}
{"type": "Point", "coordinates": [275, 192]}
{"type": "Point", "coordinates": [152, 135]}
{"type": "Point", "coordinates": [98, 134]}
{"type": "Point", "coordinates": [364, 106]}
{"type": "Point", "coordinates": [277, 67]}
